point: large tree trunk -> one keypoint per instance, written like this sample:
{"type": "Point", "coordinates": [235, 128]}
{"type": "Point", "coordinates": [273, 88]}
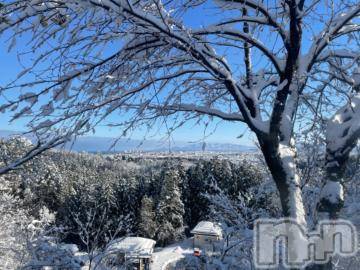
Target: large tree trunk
{"type": "Point", "coordinates": [280, 159]}
{"type": "Point", "coordinates": [331, 198]}
{"type": "Point", "coordinates": [332, 195]}
{"type": "Point", "coordinates": [342, 134]}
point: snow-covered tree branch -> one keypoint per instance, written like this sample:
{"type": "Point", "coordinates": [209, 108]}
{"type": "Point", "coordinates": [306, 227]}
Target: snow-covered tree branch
{"type": "Point", "coordinates": [85, 61]}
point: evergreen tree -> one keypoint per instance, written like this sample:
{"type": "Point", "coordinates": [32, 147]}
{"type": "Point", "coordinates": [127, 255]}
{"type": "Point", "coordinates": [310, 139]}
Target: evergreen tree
{"type": "Point", "coordinates": [170, 210]}
{"type": "Point", "coordinates": [147, 218]}
{"type": "Point", "coordinates": [200, 180]}
{"type": "Point", "coordinates": [221, 172]}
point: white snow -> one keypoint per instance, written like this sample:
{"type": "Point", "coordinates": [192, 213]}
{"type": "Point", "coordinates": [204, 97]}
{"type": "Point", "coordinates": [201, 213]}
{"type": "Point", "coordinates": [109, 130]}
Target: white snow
{"type": "Point", "coordinates": [170, 254]}
{"type": "Point", "coordinates": [133, 246]}
{"type": "Point", "coordinates": [71, 248]}
{"type": "Point", "coordinates": [345, 119]}
{"type": "Point", "coordinates": [332, 191]}
{"type": "Point", "coordinates": [207, 227]}
{"type": "Point", "coordinates": [295, 202]}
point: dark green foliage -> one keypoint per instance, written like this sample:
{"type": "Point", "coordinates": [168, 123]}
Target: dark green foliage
{"type": "Point", "coordinates": [104, 191]}
{"type": "Point", "coordinates": [170, 208]}
{"type": "Point", "coordinates": [196, 204]}
{"type": "Point", "coordinates": [232, 178]}
{"type": "Point", "coordinates": [147, 218]}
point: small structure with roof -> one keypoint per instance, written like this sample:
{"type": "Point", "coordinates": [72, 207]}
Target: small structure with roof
{"type": "Point", "coordinates": [134, 252]}
{"type": "Point", "coordinates": [206, 235]}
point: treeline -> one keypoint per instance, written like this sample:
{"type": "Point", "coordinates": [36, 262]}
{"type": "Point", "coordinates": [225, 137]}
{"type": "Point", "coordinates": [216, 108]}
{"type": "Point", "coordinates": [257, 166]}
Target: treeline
{"type": "Point", "coordinates": [98, 197]}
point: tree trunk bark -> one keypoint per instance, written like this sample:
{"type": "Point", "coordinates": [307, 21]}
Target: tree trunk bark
{"type": "Point", "coordinates": [332, 195]}
{"type": "Point", "coordinates": [342, 134]}
{"type": "Point", "coordinates": [280, 159]}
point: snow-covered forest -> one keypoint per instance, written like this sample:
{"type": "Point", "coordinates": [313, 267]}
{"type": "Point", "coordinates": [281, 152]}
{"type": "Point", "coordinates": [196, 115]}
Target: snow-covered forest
{"type": "Point", "coordinates": [93, 199]}
{"type": "Point", "coordinates": [62, 198]}
{"type": "Point", "coordinates": [285, 71]}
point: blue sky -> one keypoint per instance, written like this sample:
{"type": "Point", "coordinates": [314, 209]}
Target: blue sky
{"type": "Point", "coordinates": [225, 131]}
{"type": "Point", "coordinates": [204, 15]}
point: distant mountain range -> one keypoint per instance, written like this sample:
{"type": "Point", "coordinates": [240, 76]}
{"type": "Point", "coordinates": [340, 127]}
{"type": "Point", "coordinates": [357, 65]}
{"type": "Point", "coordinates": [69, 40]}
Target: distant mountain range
{"type": "Point", "coordinates": [104, 144]}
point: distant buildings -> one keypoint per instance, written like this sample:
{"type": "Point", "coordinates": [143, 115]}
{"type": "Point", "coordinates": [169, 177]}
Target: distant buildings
{"type": "Point", "coordinates": [134, 252]}
{"type": "Point", "coordinates": [206, 235]}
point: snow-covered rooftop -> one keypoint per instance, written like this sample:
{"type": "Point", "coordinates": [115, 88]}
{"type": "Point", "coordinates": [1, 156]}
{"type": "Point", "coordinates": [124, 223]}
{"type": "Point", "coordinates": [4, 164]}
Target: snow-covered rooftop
{"type": "Point", "coordinates": [132, 246]}
{"type": "Point", "coordinates": [207, 227]}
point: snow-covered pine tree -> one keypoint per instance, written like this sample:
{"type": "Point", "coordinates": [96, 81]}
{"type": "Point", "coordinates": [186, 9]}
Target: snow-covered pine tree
{"type": "Point", "coordinates": [170, 209]}
{"type": "Point", "coordinates": [12, 229]}
{"type": "Point", "coordinates": [196, 205]}
{"type": "Point", "coordinates": [221, 171]}
{"type": "Point", "coordinates": [162, 54]}
{"type": "Point", "coordinates": [147, 218]}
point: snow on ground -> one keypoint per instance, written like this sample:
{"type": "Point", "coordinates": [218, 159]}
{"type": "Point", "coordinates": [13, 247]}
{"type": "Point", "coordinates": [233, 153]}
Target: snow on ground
{"type": "Point", "coordinates": [132, 246]}
{"type": "Point", "coordinates": [162, 257]}
{"type": "Point", "coordinates": [172, 253]}
{"type": "Point", "coordinates": [207, 227]}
